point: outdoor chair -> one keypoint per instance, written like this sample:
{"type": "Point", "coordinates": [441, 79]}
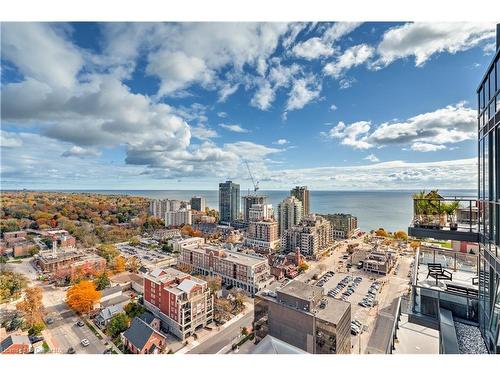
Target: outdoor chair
{"type": "Point", "coordinates": [436, 271]}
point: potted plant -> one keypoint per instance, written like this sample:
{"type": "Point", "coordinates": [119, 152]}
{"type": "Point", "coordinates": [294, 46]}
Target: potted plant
{"type": "Point", "coordinates": [451, 209]}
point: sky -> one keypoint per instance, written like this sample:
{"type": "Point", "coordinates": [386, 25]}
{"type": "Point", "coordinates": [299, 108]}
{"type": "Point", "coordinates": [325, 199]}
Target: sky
{"type": "Point", "coordinates": [334, 106]}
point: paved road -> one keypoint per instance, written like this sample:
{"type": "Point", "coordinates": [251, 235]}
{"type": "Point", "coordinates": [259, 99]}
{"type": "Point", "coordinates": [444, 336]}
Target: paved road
{"type": "Point", "coordinates": [64, 333]}
{"type": "Point", "coordinates": [225, 338]}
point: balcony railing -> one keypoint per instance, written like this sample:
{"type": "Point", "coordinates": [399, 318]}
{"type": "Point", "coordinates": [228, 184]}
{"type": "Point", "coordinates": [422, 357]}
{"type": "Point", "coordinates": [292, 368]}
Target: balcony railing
{"type": "Point", "coordinates": [440, 217]}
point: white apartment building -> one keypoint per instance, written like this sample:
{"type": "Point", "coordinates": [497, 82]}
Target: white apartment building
{"type": "Point", "coordinates": [312, 236]}
{"type": "Point", "coordinates": [182, 216]}
{"type": "Point", "coordinates": [289, 214]}
{"type": "Point", "coordinates": [259, 212]}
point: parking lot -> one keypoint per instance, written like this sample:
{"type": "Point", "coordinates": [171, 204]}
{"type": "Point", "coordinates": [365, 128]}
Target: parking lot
{"type": "Point", "coordinates": [390, 286]}
{"type": "Point", "coordinates": [149, 255]}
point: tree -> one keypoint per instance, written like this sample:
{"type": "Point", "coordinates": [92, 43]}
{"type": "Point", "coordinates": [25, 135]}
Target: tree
{"type": "Point", "coordinates": [108, 252]}
{"type": "Point", "coordinates": [303, 267]}
{"type": "Point", "coordinates": [31, 306]}
{"type": "Point", "coordinates": [133, 264]}
{"type": "Point", "coordinates": [102, 281]}
{"type": "Point", "coordinates": [11, 284]}
{"type": "Point", "coordinates": [214, 283]}
{"type": "Point", "coordinates": [118, 324]}
{"type": "Point", "coordinates": [134, 241]}
{"type": "Point", "coordinates": [119, 264]}
{"type": "Point", "coordinates": [415, 245]}
{"type": "Point", "coordinates": [381, 232]}
{"type": "Point", "coordinates": [244, 331]}
{"type": "Point", "coordinates": [401, 235]}
{"type": "Point", "coordinates": [82, 297]}
{"type": "Point", "coordinates": [36, 329]}
{"type": "Point", "coordinates": [184, 267]}
{"type": "Point", "coordinates": [133, 309]}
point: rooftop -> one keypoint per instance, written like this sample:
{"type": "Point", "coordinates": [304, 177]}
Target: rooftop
{"type": "Point", "coordinates": [230, 255]}
{"type": "Point", "coordinates": [271, 345]}
{"type": "Point", "coordinates": [301, 290]}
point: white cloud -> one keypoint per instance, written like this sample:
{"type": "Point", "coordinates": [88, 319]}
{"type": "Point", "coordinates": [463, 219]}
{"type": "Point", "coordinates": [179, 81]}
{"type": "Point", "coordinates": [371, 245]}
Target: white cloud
{"type": "Point", "coordinates": [222, 114]}
{"type": "Point", "coordinates": [422, 40]}
{"type": "Point", "coordinates": [80, 152]}
{"type": "Point", "coordinates": [426, 147]}
{"type": "Point", "coordinates": [304, 90]}
{"type": "Point", "coordinates": [41, 52]}
{"type": "Point", "coordinates": [312, 49]}
{"type": "Point", "coordinates": [351, 57]}
{"type": "Point", "coordinates": [234, 128]}
{"type": "Point", "coordinates": [333, 107]}
{"type": "Point", "coordinates": [226, 91]}
{"type": "Point", "coordinates": [263, 97]}
{"type": "Point", "coordinates": [203, 133]}
{"type": "Point", "coordinates": [372, 158]}
{"type": "Point", "coordinates": [397, 174]}
{"type": "Point", "coordinates": [451, 124]}
{"type": "Point", "coordinates": [281, 142]}
{"type": "Point", "coordinates": [323, 46]}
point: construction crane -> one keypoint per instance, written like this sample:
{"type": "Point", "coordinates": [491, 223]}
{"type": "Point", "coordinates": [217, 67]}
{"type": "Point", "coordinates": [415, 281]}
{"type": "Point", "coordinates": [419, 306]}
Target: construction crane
{"type": "Point", "coordinates": [255, 183]}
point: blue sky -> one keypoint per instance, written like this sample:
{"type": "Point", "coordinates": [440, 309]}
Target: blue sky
{"type": "Point", "coordinates": [183, 105]}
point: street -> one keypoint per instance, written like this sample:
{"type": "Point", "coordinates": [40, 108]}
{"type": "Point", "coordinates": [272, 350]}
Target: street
{"type": "Point", "coordinates": [64, 333]}
{"type": "Point", "coordinates": [222, 341]}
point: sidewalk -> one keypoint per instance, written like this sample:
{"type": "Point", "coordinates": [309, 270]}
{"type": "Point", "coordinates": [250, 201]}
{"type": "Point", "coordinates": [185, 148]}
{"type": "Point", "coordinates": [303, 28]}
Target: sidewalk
{"type": "Point", "coordinates": [193, 344]}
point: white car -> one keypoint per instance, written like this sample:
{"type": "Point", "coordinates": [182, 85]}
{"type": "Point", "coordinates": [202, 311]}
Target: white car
{"type": "Point", "coordinates": [85, 342]}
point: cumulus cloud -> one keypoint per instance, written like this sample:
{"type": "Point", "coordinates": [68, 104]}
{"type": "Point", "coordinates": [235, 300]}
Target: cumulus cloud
{"type": "Point", "coordinates": [234, 128]}
{"type": "Point", "coordinates": [38, 49]}
{"type": "Point", "coordinates": [80, 152]}
{"type": "Point", "coordinates": [323, 46]}
{"type": "Point", "coordinates": [281, 142]}
{"type": "Point", "coordinates": [312, 49]}
{"type": "Point", "coordinates": [426, 147]}
{"type": "Point", "coordinates": [304, 90]}
{"type": "Point", "coordinates": [351, 57]}
{"type": "Point", "coordinates": [422, 40]}
{"type": "Point", "coordinates": [429, 131]}
{"type": "Point", "coordinates": [91, 108]}
{"type": "Point", "coordinates": [372, 158]}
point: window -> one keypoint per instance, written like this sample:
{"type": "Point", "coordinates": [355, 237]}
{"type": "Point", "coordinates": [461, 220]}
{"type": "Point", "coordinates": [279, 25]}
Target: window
{"type": "Point", "coordinates": [481, 98]}
{"type": "Point", "coordinates": [492, 82]}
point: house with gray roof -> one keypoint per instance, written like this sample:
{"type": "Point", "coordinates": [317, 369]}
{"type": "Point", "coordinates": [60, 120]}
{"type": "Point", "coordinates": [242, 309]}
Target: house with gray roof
{"type": "Point", "coordinates": [141, 338]}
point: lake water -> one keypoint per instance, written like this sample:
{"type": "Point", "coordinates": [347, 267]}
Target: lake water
{"type": "Point", "coordinates": [391, 210]}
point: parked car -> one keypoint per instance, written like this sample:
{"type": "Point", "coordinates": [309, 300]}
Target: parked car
{"type": "Point", "coordinates": [49, 320]}
{"type": "Point", "coordinates": [85, 342]}
{"type": "Point", "coordinates": [80, 323]}
{"type": "Point", "coordinates": [71, 350]}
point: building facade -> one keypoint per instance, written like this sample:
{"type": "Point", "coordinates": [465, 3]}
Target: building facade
{"type": "Point", "coordinates": [312, 236]}
{"type": "Point", "coordinates": [289, 214]}
{"type": "Point", "coordinates": [263, 235]}
{"type": "Point", "coordinates": [300, 315]}
{"type": "Point", "coordinates": [260, 212]}
{"type": "Point", "coordinates": [247, 203]}
{"type": "Point", "coordinates": [159, 207]}
{"type": "Point", "coordinates": [489, 199]}
{"type": "Point", "coordinates": [343, 225]}
{"type": "Point", "coordinates": [302, 194]}
{"type": "Point", "coordinates": [248, 272]}
{"type": "Point", "coordinates": [177, 218]}
{"type": "Point", "coordinates": [229, 202]}
{"type": "Point", "coordinates": [198, 203]}
{"type": "Point", "coordinates": [182, 302]}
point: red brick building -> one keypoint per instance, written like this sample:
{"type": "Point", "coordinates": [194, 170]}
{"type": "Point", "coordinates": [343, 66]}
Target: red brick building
{"type": "Point", "coordinates": [182, 302]}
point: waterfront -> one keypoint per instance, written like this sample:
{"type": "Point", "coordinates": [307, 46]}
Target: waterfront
{"type": "Point", "coordinates": [390, 209]}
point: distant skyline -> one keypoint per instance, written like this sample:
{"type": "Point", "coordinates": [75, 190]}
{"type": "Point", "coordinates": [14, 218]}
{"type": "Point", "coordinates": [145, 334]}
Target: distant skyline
{"type": "Point", "coordinates": [181, 106]}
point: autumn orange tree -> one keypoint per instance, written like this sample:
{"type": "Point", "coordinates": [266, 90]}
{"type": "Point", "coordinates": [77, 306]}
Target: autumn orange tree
{"type": "Point", "coordinates": [32, 307]}
{"type": "Point", "coordinates": [83, 296]}
{"type": "Point", "coordinates": [119, 264]}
